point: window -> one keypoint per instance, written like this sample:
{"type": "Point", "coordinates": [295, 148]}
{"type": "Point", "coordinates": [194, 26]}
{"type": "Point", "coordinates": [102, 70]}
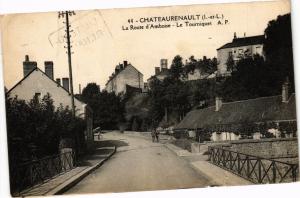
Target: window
{"type": "Point", "coordinates": [37, 96]}
{"type": "Point", "coordinates": [258, 50]}
{"type": "Point", "coordinates": [241, 51]}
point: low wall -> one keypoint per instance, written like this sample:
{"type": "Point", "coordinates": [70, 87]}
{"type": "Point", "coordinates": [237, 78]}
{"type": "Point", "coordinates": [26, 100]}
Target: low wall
{"type": "Point", "coordinates": [274, 148]}
{"type": "Point", "coordinates": [268, 148]}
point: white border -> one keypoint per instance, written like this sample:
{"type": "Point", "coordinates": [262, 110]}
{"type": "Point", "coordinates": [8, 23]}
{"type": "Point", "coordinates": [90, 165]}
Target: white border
{"type": "Point", "coordinates": [24, 6]}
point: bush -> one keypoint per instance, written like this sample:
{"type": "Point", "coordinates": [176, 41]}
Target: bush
{"type": "Point", "coordinates": [35, 128]}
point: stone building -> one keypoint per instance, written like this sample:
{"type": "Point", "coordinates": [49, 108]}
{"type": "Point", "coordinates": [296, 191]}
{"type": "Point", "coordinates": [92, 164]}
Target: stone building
{"type": "Point", "coordinates": [232, 120]}
{"type": "Point", "coordinates": [125, 74]}
{"type": "Point", "coordinates": [160, 72]}
{"type": "Point", "coordinates": [239, 48]}
{"type": "Point", "coordinates": [37, 83]}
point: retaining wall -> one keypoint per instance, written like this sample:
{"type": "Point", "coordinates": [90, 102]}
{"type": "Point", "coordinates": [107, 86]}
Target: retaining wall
{"type": "Point", "coordinates": [267, 148]}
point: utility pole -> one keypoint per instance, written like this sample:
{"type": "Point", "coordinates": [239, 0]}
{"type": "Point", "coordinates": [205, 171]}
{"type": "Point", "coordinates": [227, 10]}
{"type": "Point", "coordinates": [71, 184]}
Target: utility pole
{"type": "Point", "coordinates": [69, 52]}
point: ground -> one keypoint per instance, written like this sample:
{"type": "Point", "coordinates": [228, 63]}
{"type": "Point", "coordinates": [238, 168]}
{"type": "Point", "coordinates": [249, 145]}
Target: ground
{"type": "Point", "coordinates": [139, 165]}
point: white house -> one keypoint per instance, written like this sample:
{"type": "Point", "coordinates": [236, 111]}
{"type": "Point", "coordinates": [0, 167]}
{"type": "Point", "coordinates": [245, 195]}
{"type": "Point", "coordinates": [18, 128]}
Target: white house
{"type": "Point", "coordinates": [37, 83]}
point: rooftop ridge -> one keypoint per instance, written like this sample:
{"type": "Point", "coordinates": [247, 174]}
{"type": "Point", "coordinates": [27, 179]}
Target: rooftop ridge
{"type": "Point", "coordinates": [240, 101]}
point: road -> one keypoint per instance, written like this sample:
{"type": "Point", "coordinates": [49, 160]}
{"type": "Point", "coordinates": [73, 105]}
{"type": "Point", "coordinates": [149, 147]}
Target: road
{"type": "Point", "coordinates": [139, 165]}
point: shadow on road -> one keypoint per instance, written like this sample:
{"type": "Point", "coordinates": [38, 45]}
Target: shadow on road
{"type": "Point", "coordinates": [100, 151]}
{"type": "Point", "coordinates": [109, 143]}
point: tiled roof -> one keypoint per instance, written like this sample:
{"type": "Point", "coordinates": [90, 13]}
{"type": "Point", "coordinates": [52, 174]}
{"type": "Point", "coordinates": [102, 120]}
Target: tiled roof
{"type": "Point", "coordinates": [248, 111]}
{"type": "Point", "coordinates": [238, 42]}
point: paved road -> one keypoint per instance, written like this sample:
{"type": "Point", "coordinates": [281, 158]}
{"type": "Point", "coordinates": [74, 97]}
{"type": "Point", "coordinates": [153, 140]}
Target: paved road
{"type": "Point", "coordinates": [139, 165]}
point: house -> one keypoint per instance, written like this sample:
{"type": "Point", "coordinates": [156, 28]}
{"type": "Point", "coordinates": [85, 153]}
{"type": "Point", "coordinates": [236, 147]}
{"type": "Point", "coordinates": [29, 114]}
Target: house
{"type": "Point", "coordinates": [198, 74]}
{"type": "Point", "coordinates": [237, 49]}
{"type": "Point", "coordinates": [125, 74]}
{"type": "Point", "coordinates": [160, 72]}
{"type": "Point", "coordinates": [36, 83]}
{"type": "Point", "coordinates": [232, 120]}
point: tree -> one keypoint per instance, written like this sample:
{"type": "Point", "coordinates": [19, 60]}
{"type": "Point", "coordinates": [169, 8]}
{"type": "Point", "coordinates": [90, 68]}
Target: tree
{"type": "Point", "coordinates": [176, 68]}
{"type": "Point", "coordinates": [230, 63]}
{"type": "Point", "coordinates": [108, 108]}
{"type": "Point", "coordinates": [278, 48]}
{"type": "Point", "coordinates": [90, 90]}
{"type": "Point", "coordinates": [37, 124]}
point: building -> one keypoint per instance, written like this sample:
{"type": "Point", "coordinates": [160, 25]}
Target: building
{"type": "Point", "coordinates": [239, 48]}
{"type": "Point", "coordinates": [36, 83]}
{"type": "Point", "coordinates": [125, 74]}
{"type": "Point", "coordinates": [198, 74]}
{"type": "Point", "coordinates": [230, 121]}
{"type": "Point", "coordinates": [160, 72]}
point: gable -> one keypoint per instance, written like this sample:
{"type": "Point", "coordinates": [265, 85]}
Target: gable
{"type": "Point", "coordinates": [38, 82]}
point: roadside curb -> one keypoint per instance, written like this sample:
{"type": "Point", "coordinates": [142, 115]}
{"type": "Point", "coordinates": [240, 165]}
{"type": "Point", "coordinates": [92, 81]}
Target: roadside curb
{"type": "Point", "coordinates": [76, 179]}
{"type": "Point", "coordinates": [211, 172]}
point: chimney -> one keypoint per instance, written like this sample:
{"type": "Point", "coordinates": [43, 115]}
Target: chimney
{"type": "Point", "coordinates": [163, 64]}
{"type": "Point", "coordinates": [49, 69]}
{"type": "Point", "coordinates": [65, 82]}
{"type": "Point", "coordinates": [285, 91]}
{"type": "Point", "coordinates": [218, 103]}
{"type": "Point", "coordinates": [244, 34]}
{"type": "Point", "coordinates": [157, 70]}
{"type": "Point", "coordinates": [58, 81]}
{"type": "Point", "coordinates": [28, 66]}
{"type": "Point", "coordinates": [125, 63]}
{"type": "Point", "coordinates": [234, 35]}
{"type": "Point", "coordinates": [79, 89]}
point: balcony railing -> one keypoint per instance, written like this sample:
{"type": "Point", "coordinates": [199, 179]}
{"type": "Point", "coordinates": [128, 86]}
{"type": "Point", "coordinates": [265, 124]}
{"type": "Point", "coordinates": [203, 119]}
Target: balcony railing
{"type": "Point", "coordinates": [255, 169]}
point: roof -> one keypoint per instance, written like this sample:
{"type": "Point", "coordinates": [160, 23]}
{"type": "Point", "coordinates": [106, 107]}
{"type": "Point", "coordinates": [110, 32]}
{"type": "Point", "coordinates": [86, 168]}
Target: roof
{"type": "Point", "coordinates": [238, 42]}
{"type": "Point", "coordinates": [247, 111]}
{"type": "Point", "coordinates": [161, 73]}
{"type": "Point", "coordinates": [121, 72]}
{"type": "Point", "coordinates": [38, 69]}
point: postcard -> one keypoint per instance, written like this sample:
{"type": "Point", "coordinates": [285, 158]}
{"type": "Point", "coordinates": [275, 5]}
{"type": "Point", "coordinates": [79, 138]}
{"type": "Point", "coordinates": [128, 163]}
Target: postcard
{"type": "Point", "coordinates": [154, 98]}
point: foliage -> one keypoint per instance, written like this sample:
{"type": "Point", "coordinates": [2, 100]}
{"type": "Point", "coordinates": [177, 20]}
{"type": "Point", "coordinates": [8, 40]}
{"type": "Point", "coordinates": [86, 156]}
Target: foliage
{"type": "Point", "coordinates": [278, 48]}
{"type": "Point", "coordinates": [108, 108]}
{"type": "Point", "coordinates": [252, 78]}
{"type": "Point", "coordinates": [35, 128]}
{"type": "Point", "coordinates": [174, 95]}
{"type": "Point", "coordinates": [230, 63]}
{"type": "Point", "coordinates": [206, 65]}
{"type": "Point", "coordinates": [258, 76]}
{"type": "Point", "coordinates": [176, 69]}
{"type": "Point", "coordinates": [90, 91]}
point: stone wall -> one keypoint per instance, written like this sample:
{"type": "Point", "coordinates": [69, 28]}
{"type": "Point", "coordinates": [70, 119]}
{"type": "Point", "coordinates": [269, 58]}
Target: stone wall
{"type": "Point", "coordinates": [266, 148]}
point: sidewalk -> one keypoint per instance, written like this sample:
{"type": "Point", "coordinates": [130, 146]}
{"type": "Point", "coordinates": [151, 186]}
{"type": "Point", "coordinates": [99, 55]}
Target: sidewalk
{"type": "Point", "coordinates": [63, 182]}
{"type": "Point", "coordinates": [216, 175]}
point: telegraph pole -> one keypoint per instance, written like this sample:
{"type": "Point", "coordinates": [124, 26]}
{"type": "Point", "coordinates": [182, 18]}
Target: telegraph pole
{"type": "Point", "coordinates": [69, 52]}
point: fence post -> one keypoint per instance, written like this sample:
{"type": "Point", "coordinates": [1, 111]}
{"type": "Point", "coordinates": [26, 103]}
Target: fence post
{"type": "Point", "coordinates": [294, 173]}
{"type": "Point", "coordinates": [239, 163]}
{"type": "Point", "coordinates": [248, 166]}
{"type": "Point", "coordinates": [209, 153]}
{"type": "Point", "coordinates": [274, 172]}
{"type": "Point", "coordinates": [259, 171]}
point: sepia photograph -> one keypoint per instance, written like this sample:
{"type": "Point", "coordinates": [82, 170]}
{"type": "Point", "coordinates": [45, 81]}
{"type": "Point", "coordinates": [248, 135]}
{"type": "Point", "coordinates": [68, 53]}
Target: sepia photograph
{"type": "Point", "coordinates": [150, 98]}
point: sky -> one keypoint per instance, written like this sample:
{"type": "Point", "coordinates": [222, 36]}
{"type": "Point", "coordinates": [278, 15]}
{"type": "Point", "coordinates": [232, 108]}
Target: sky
{"type": "Point", "coordinates": [100, 43]}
